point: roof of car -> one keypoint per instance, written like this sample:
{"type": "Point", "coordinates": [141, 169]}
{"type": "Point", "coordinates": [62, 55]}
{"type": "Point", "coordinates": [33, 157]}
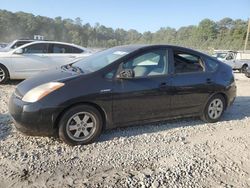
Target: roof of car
{"type": "Point", "coordinates": [135, 47]}
{"type": "Point", "coordinates": [53, 42]}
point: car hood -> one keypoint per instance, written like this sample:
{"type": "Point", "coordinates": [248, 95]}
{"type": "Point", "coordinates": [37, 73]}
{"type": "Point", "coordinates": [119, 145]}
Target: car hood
{"type": "Point", "coordinates": [45, 77]}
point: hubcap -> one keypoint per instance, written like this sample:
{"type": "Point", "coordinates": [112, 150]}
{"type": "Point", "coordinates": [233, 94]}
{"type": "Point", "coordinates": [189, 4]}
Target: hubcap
{"type": "Point", "coordinates": [215, 109]}
{"type": "Point", "coordinates": [81, 126]}
{"type": "Point", "coordinates": [2, 74]}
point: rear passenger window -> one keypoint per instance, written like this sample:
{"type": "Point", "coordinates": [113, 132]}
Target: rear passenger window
{"type": "Point", "coordinates": [77, 50]}
{"type": "Point", "coordinates": [61, 49]}
{"type": "Point", "coordinates": [212, 65]}
{"type": "Point", "coordinates": [187, 63]}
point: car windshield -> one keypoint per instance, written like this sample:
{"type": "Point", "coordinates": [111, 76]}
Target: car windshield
{"type": "Point", "coordinates": [100, 60]}
{"type": "Point", "coordinates": [9, 45]}
{"type": "Point", "coordinates": [220, 55]}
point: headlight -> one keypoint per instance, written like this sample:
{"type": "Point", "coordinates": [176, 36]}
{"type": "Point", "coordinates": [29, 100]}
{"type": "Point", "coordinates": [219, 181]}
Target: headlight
{"type": "Point", "coordinates": [41, 91]}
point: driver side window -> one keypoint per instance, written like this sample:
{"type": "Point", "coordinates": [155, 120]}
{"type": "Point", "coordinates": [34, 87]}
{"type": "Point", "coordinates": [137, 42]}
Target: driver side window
{"type": "Point", "coordinates": [149, 64]}
{"type": "Point", "coordinates": [36, 49]}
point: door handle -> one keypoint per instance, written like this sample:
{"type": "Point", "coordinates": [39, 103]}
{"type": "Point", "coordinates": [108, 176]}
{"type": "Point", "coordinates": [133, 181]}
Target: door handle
{"type": "Point", "coordinates": [163, 85]}
{"type": "Point", "coordinates": [209, 81]}
{"type": "Point", "coordinates": [72, 56]}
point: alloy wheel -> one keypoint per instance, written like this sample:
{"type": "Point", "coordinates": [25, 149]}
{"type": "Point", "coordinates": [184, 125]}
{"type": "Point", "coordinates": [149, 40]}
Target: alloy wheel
{"type": "Point", "coordinates": [215, 108]}
{"type": "Point", "coordinates": [2, 74]}
{"type": "Point", "coordinates": [81, 126]}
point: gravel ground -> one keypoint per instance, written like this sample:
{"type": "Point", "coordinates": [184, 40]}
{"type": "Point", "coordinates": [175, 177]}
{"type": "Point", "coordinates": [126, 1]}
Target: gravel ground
{"type": "Point", "coordinates": [180, 153]}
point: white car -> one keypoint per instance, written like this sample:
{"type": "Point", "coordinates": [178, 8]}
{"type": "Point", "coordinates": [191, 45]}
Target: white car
{"type": "Point", "coordinates": [238, 60]}
{"type": "Point", "coordinates": [32, 58]}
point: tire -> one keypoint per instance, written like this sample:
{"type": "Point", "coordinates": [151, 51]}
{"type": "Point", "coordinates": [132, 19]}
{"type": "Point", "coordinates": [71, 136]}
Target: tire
{"type": "Point", "coordinates": [80, 125]}
{"type": "Point", "coordinates": [212, 113]}
{"type": "Point", "coordinates": [4, 74]}
{"type": "Point", "coordinates": [243, 68]}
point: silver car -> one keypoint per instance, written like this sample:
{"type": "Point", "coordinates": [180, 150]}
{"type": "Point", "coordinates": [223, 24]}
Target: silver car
{"type": "Point", "coordinates": [35, 57]}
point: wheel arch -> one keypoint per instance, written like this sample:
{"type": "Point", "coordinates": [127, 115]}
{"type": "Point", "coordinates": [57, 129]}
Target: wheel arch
{"type": "Point", "coordinates": [101, 110]}
{"type": "Point", "coordinates": [245, 64]}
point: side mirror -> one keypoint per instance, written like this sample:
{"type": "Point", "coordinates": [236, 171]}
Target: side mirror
{"type": "Point", "coordinates": [126, 73]}
{"type": "Point", "coordinates": [19, 51]}
{"type": "Point", "coordinates": [229, 58]}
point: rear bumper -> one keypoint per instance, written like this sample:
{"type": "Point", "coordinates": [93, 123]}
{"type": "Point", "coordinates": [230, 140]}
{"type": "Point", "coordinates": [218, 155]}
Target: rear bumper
{"type": "Point", "coordinates": [33, 118]}
{"type": "Point", "coordinates": [231, 94]}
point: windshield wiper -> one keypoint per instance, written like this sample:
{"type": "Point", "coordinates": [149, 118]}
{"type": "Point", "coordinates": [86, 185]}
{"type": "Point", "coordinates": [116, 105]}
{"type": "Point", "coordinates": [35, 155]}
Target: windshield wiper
{"type": "Point", "coordinates": [72, 68]}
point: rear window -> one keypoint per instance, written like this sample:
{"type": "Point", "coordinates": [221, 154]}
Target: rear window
{"type": "Point", "coordinates": [61, 49]}
{"type": "Point", "coordinates": [187, 63]}
{"type": "Point", "coordinates": [212, 64]}
{"type": "Point", "coordinates": [77, 50]}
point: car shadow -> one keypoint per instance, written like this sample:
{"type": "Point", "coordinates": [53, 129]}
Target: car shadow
{"type": "Point", "coordinates": [238, 111]}
{"type": "Point", "coordinates": [14, 82]}
{"type": "Point", "coordinates": [5, 126]}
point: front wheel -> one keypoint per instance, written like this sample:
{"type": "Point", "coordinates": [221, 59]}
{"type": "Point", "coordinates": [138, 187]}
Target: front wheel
{"type": "Point", "coordinates": [214, 109]}
{"type": "Point", "coordinates": [4, 74]}
{"type": "Point", "coordinates": [80, 125]}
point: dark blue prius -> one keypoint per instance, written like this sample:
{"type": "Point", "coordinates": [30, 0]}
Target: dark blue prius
{"type": "Point", "coordinates": [122, 86]}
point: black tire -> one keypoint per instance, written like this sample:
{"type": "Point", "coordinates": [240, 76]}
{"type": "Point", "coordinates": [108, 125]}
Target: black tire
{"type": "Point", "coordinates": [243, 68]}
{"type": "Point", "coordinates": [206, 116]}
{"type": "Point", "coordinates": [66, 135]}
{"type": "Point", "coordinates": [4, 74]}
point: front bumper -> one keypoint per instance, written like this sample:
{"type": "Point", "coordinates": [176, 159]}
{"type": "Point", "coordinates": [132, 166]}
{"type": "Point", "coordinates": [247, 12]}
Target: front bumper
{"type": "Point", "coordinates": [33, 118]}
{"type": "Point", "coordinates": [231, 94]}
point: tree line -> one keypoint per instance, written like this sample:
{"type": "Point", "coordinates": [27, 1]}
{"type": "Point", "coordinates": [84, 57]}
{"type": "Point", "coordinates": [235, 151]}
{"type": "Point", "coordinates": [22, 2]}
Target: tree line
{"type": "Point", "coordinates": [207, 35]}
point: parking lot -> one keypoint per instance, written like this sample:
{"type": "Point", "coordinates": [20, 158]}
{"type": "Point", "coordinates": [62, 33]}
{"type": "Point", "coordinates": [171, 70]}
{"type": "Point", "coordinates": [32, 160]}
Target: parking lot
{"type": "Point", "coordinates": [177, 153]}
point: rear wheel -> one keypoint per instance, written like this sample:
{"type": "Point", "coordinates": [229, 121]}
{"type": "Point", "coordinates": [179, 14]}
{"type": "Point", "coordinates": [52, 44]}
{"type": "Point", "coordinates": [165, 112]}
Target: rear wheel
{"type": "Point", "coordinates": [80, 125]}
{"type": "Point", "coordinates": [4, 74]}
{"type": "Point", "coordinates": [243, 68]}
{"type": "Point", "coordinates": [214, 109]}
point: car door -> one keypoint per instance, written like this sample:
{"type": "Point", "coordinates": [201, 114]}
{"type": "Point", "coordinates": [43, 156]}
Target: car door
{"type": "Point", "coordinates": [31, 61]}
{"type": "Point", "coordinates": [191, 83]}
{"type": "Point", "coordinates": [146, 95]}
